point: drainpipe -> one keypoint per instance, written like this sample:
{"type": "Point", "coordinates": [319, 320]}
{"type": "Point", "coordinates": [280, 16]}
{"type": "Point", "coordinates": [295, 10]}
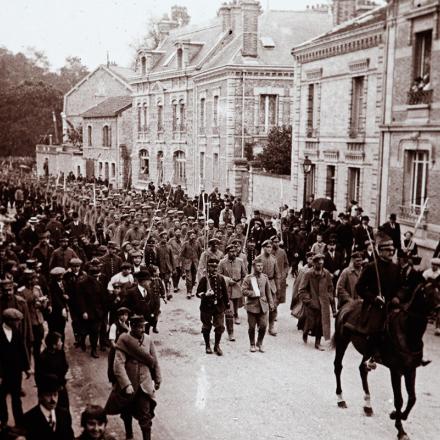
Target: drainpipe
{"type": "Point", "coordinates": [242, 112]}
{"type": "Point", "coordinates": [196, 131]}
{"type": "Point", "coordinates": [118, 151]}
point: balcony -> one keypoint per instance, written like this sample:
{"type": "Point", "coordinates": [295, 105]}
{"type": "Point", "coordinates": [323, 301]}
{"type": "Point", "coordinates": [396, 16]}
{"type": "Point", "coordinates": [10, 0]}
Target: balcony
{"type": "Point", "coordinates": [411, 213]}
{"type": "Point", "coordinates": [355, 152]}
{"type": "Point", "coordinates": [311, 149]}
{"type": "Point", "coordinates": [418, 97]}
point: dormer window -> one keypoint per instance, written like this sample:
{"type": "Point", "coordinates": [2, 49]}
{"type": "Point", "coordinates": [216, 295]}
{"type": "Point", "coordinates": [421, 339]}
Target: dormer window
{"type": "Point", "coordinates": [143, 65]}
{"type": "Point", "coordinates": [179, 58]}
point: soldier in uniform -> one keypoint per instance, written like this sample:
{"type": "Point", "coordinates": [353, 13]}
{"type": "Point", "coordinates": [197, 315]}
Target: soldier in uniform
{"type": "Point", "coordinates": [233, 270]}
{"type": "Point", "coordinates": [214, 302]}
{"type": "Point", "coordinates": [376, 297]}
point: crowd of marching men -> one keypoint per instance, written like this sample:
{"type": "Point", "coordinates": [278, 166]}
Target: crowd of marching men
{"type": "Point", "coordinates": [103, 259]}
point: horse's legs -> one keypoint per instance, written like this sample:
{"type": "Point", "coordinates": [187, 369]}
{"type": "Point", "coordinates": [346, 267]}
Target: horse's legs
{"type": "Point", "coordinates": [368, 410]}
{"type": "Point", "coordinates": [341, 347]}
{"type": "Point", "coordinates": [396, 381]}
{"type": "Point", "coordinates": [410, 384]}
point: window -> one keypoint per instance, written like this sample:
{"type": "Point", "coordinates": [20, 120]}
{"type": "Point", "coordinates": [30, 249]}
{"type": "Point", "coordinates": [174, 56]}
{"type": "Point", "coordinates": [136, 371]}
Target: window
{"type": "Point", "coordinates": [113, 170]}
{"type": "Point", "coordinates": [311, 111]}
{"type": "Point", "coordinates": [357, 119]}
{"type": "Point", "coordinates": [417, 163]}
{"type": "Point", "coordinates": [100, 169]}
{"type": "Point", "coordinates": [89, 135]}
{"type": "Point", "coordinates": [106, 171]}
{"type": "Point", "coordinates": [106, 136]}
{"type": "Point", "coordinates": [144, 163]}
{"type": "Point", "coordinates": [202, 165]}
{"type": "Point", "coordinates": [182, 115]}
{"type": "Point", "coordinates": [215, 111]}
{"type": "Point", "coordinates": [143, 65]}
{"type": "Point", "coordinates": [215, 168]}
{"type": "Point", "coordinates": [78, 170]}
{"type": "Point", "coordinates": [202, 114]}
{"type": "Point", "coordinates": [159, 160]}
{"type": "Point", "coordinates": [139, 119]}
{"type": "Point", "coordinates": [330, 182]}
{"type": "Point", "coordinates": [310, 184]}
{"type": "Point", "coordinates": [159, 118]}
{"type": "Point", "coordinates": [422, 54]}
{"type": "Point", "coordinates": [175, 116]}
{"type": "Point", "coordinates": [145, 118]}
{"type": "Point", "coordinates": [354, 184]}
{"type": "Point", "coordinates": [179, 162]}
{"type": "Point", "coordinates": [268, 112]}
{"type": "Point", "coordinates": [179, 57]}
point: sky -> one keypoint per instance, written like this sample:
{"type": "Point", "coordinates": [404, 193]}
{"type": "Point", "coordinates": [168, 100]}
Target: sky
{"type": "Point", "coordinates": [90, 28]}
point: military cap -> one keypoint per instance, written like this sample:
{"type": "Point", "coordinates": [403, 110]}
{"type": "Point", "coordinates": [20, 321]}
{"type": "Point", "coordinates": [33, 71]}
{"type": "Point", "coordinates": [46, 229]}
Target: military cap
{"type": "Point", "coordinates": [184, 223]}
{"type": "Point", "coordinates": [384, 242]}
{"type": "Point", "coordinates": [94, 270]}
{"type": "Point", "coordinates": [135, 243]}
{"type": "Point", "coordinates": [33, 220]}
{"type": "Point", "coordinates": [310, 254]}
{"type": "Point", "coordinates": [266, 243]}
{"type": "Point", "coordinates": [191, 218]}
{"type": "Point", "coordinates": [180, 212]}
{"type": "Point", "coordinates": [111, 244]}
{"type": "Point", "coordinates": [356, 255]}
{"type": "Point", "coordinates": [28, 273]}
{"type": "Point", "coordinates": [45, 234]}
{"type": "Point", "coordinates": [135, 254]}
{"type": "Point", "coordinates": [56, 271]}
{"type": "Point", "coordinates": [31, 263]}
{"type": "Point", "coordinates": [75, 262]}
{"type": "Point", "coordinates": [6, 282]}
{"type": "Point", "coordinates": [164, 233]}
{"type": "Point", "coordinates": [210, 221]}
{"type": "Point", "coordinates": [213, 241]}
{"type": "Point", "coordinates": [137, 320]}
{"type": "Point", "coordinates": [318, 257]}
{"type": "Point", "coordinates": [151, 240]}
{"type": "Point", "coordinates": [12, 314]}
{"type": "Point", "coordinates": [213, 262]}
{"type": "Point", "coordinates": [230, 247]}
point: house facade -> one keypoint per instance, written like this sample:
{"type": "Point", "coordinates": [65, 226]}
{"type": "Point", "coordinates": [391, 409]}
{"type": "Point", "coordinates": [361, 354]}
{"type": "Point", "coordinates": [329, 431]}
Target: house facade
{"type": "Point", "coordinates": [210, 93]}
{"type": "Point", "coordinates": [410, 132]}
{"type": "Point", "coordinates": [337, 112]}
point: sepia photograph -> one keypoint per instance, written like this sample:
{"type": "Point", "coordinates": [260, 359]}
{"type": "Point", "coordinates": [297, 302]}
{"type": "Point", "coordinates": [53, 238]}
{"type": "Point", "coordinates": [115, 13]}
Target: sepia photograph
{"type": "Point", "coordinates": [219, 220]}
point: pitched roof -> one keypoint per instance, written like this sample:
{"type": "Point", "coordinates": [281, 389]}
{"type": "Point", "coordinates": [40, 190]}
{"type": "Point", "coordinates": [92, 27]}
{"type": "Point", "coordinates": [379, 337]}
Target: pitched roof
{"type": "Point", "coordinates": [110, 107]}
{"type": "Point", "coordinates": [125, 73]}
{"type": "Point", "coordinates": [285, 28]}
{"type": "Point", "coordinates": [363, 21]}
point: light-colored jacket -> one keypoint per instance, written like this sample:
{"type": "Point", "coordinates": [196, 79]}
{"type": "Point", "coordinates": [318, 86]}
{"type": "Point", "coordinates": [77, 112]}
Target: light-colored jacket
{"type": "Point", "coordinates": [235, 271]}
{"type": "Point", "coordinates": [257, 304]}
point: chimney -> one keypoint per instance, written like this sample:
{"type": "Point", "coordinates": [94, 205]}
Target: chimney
{"type": "Point", "coordinates": [250, 11]}
{"type": "Point", "coordinates": [225, 14]}
{"type": "Point", "coordinates": [344, 10]}
{"type": "Point", "coordinates": [164, 27]}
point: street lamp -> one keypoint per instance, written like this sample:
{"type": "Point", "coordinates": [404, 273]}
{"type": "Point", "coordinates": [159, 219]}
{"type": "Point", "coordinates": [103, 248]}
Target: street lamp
{"type": "Point", "coordinates": [307, 167]}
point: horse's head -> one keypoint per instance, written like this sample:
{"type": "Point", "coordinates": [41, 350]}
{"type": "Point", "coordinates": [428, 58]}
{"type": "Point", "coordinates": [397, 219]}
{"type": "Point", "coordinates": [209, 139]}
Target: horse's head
{"type": "Point", "coordinates": [430, 295]}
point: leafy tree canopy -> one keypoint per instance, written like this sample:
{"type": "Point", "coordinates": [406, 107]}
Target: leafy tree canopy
{"type": "Point", "coordinates": [29, 93]}
{"type": "Point", "coordinates": [276, 155]}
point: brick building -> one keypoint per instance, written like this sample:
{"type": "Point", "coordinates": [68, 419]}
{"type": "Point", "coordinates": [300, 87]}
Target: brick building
{"type": "Point", "coordinates": [410, 134]}
{"type": "Point", "coordinates": [338, 108]}
{"type": "Point", "coordinates": [107, 129]}
{"type": "Point", "coordinates": [208, 93]}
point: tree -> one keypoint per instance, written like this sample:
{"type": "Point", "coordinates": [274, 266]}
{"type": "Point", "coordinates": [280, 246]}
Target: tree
{"type": "Point", "coordinates": [276, 155]}
{"type": "Point", "coordinates": [180, 15]}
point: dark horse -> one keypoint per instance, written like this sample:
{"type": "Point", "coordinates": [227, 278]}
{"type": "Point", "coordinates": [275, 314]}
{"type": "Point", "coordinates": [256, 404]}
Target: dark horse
{"type": "Point", "coordinates": [401, 349]}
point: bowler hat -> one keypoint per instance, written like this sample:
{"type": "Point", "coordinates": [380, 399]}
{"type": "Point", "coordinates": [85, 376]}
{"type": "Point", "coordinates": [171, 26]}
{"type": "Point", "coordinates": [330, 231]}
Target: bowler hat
{"type": "Point", "coordinates": [48, 383]}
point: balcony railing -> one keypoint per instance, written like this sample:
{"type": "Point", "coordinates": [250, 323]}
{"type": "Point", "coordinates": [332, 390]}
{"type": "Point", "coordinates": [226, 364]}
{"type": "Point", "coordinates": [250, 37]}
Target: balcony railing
{"type": "Point", "coordinates": [419, 97]}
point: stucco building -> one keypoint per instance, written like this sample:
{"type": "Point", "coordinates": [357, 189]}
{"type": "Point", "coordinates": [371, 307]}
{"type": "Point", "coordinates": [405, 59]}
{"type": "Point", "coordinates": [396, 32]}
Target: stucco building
{"type": "Point", "coordinates": [410, 133]}
{"type": "Point", "coordinates": [208, 93]}
{"type": "Point", "coordinates": [337, 111]}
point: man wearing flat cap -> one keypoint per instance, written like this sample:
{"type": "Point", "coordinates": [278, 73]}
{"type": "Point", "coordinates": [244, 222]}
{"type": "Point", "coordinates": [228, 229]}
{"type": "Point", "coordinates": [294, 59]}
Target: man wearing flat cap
{"type": "Point", "coordinates": [214, 302]}
{"type": "Point", "coordinates": [14, 360]}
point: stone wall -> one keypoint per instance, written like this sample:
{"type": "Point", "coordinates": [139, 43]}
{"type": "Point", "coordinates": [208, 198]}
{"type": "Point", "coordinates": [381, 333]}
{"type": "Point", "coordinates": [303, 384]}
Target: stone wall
{"type": "Point", "coordinates": [268, 192]}
{"type": "Point", "coordinates": [59, 160]}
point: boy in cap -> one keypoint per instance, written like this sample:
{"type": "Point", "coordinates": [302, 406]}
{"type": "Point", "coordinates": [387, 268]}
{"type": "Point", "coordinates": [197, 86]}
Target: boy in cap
{"type": "Point", "coordinates": [94, 423]}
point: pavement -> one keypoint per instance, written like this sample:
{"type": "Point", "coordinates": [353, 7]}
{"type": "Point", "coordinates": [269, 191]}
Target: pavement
{"type": "Point", "coordinates": [288, 392]}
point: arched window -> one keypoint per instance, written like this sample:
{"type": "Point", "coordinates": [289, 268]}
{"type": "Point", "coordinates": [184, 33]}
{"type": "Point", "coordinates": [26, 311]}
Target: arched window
{"type": "Point", "coordinates": [139, 118]}
{"type": "Point", "coordinates": [179, 56]}
{"type": "Point", "coordinates": [89, 135]}
{"type": "Point", "coordinates": [159, 117]}
{"type": "Point", "coordinates": [202, 115]}
{"type": "Point", "coordinates": [179, 163]}
{"type": "Point", "coordinates": [143, 65]}
{"type": "Point", "coordinates": [175, 116]}
{"type": "Point", "coordinates": [106, 136]}
{"type": "Point", "coordinates": [144, 164]}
